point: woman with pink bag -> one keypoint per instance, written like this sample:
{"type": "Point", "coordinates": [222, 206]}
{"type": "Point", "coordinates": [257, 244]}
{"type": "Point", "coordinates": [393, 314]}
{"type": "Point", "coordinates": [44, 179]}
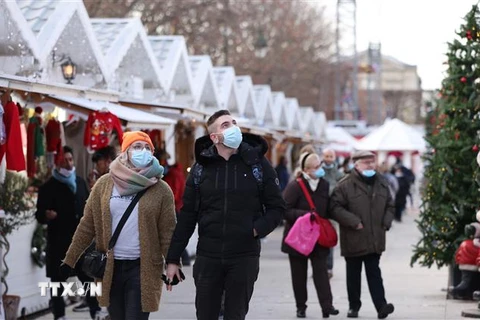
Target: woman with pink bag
{"type": "Point", "coordinates": [297, 206]}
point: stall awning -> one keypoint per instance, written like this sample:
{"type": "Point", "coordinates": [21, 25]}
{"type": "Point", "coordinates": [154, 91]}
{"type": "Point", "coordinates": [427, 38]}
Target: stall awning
{"type": "Point", "coordinates": [166, 108]}
{"type": "Point", "coordinates": [136, 119]}
{"type": "Point", "coordinates": [42, 87]}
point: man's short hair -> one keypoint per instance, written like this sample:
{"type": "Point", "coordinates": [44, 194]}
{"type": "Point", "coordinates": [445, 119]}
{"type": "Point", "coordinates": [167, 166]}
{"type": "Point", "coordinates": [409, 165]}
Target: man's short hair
{"type": "Point", "coordinates": [215, 116]}
{"type": "Point", "coordinates": [104, 154]}
{"type": "Point", "coordinates": [67, 149]}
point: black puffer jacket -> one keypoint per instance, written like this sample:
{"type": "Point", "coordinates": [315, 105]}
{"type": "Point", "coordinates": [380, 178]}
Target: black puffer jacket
{"type": "Point", "coordinates": [230, 202]}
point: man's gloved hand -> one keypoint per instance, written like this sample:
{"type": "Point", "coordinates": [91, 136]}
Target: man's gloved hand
{"type": "Point", "coordinates": [65, 271]}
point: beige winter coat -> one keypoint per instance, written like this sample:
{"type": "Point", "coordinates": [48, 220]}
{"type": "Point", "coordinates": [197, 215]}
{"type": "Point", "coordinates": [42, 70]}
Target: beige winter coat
{"type": "Point", "coordinates": [156, 222]}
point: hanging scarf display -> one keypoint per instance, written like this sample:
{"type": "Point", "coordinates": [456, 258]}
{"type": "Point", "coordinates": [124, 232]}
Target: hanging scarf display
{"type": "Point", "coordinates": [53, 134]}
{"type": "Point", "coordinates": [35, 142]}
{"type": "Point", "coordinates": [12, 148]}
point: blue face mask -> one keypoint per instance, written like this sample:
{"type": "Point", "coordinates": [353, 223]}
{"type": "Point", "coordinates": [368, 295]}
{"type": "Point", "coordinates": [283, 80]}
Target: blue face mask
{"type": "Point", "coordinates": [350, 166]}
{"type": "Point", "coordinates": [232, 137]}
{"type": "Point", "coordinates": [328, 166]}
{"type": "Point", "coordinates": [368, 173]}
{"type": "Point", "coordinates": [141, 158]}
{"type": "Point", "coordinates": [320, 173]}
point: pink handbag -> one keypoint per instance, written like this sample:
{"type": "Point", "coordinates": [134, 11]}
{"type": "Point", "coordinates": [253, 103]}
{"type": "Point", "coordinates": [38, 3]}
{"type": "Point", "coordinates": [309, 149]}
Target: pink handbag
{"type": "Point", "coordinates": [304, 234]}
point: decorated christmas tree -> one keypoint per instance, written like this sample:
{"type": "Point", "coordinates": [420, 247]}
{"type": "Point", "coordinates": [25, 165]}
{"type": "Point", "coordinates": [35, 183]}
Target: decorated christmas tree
{"type": "Point", "coordinates": [451, 194]}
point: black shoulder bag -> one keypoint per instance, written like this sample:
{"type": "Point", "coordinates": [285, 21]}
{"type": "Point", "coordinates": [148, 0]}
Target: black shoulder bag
{"type": "Point", "coordinates": [94, 262]}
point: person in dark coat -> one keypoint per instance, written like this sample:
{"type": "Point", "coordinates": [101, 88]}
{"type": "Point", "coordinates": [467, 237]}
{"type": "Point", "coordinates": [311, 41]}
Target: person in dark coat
{"type": "Point", "coordinates": [232, 215]}
{"type": "Point", "coordinates": [60, 205]}
{"type": "Point", "coordinates": [363, 206]}
{"type": "Point", "coordinates": [297, 205]}
{"type": "Point", "coordinates": [402, 192]}
{"type": "Point", "coordinates": [282, 172]}
{"type": "Point", "coordinates": [175, 178]}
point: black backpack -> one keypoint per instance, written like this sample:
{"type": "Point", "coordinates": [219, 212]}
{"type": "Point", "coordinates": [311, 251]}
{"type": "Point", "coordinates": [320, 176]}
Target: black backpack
{"type": "Point", "coordinates": [197, 170]}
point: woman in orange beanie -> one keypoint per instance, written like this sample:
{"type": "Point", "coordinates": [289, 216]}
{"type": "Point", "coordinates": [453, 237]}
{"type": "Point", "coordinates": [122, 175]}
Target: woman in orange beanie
{"type": "Point", "coordinates": [131, 285]}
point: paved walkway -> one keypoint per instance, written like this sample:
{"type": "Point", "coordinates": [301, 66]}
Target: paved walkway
{"type": "Point", "coordinates": [415, 292]}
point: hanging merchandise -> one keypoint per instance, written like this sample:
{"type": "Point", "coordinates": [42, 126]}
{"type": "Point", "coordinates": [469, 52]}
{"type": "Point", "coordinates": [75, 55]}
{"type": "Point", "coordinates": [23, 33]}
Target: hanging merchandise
{"type": "Point", "coordinates": [100, 126]}
{"type": "Point", "coordinates": [12, 148]}
{"type": "Point", "coordinates": [53, 134]}
{"type": "Point", "coordinates": [156, 137]}
{"type": "Point", "coordinates": [35, 141]}
{"type": "Point", "coordinates": [3, 134]}
{"type": "Point", "coordinates": [74, 132]}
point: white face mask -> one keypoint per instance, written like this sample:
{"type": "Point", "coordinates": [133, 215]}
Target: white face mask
{"type": "Point", "coordinates": [66, 173]}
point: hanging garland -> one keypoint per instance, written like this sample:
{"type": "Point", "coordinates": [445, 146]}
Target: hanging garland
{"type": "Point", "coordinates": [39, 245]}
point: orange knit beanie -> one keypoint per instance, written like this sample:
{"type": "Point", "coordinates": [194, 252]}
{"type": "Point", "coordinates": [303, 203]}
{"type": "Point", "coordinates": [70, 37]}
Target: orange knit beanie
{"type": "Point", "coordinates": [132, 136]}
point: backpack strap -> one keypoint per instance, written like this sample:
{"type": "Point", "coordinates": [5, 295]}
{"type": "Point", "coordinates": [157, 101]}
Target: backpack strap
{"type": "Point", "coordinates": [197, 171]}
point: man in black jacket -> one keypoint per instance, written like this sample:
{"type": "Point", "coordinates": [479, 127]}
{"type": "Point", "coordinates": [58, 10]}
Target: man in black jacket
{"type": "Point", "coordinates": [60, 205]}
{"type": "Point", "coordinates": [232, 212]}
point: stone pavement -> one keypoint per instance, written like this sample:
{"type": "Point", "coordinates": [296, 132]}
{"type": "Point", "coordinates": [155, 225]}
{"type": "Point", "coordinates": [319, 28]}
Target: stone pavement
{"type": "Point", "coordinates": [416, 292]}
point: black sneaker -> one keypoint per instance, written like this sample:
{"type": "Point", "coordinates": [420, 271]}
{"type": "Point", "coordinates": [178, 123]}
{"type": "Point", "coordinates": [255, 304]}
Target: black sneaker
{"type": "Point", "coordinates": [385, 311]}
{"type": "Point", "coordinates": [301, 313]}
{"type": "Point", "coordinates": [82, 307]}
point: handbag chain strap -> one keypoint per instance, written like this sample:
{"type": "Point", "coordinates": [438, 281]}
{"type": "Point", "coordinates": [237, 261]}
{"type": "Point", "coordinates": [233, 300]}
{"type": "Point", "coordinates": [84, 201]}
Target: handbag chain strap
{"type": "Point", "coordinates": [307, 194]}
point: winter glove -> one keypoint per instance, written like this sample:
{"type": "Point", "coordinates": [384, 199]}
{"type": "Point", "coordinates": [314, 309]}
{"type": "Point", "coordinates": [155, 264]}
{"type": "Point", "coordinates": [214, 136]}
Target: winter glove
{"type": "Point", "coordinates": [65, 271]}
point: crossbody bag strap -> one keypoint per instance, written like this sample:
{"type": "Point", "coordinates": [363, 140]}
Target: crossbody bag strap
{"type": "Point", "coordinates": [307, 194]}
{"type": "Point", "coordinates": [124, 219]}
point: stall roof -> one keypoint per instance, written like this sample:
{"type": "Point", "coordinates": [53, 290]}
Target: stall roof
{"type": "Point", "coordinates": [246, 102]}
{"type": "Point", "coordinates": [64, 27]}
{"type": "Point", "coordinates": [172, 57]}
{"type": "Point", "coordinates": [278, 103]}
{"type": "Point", "coordinates": [227, 90]}
{"type": "Point", "coordinates": [165, 108]}
{"type": "Point", "coordinates": [262, 95]}
{"type": "Point", "coordinates": [307, 119]}
{"type": "Point", "coordinates": [393, 135]}
{"type": "Point", "coordinates": [291, 112]}
{"type": "Point", "coordinates": [136, 119]}
{"type": "Point", "coordinates": [17, 37]}
{"type": "Point", "coordinates": [43, 87]}
{"type": "Point", "coordinates": [125, 45]}
{"type": "Point", "coordinates": [205, 91]}
{"type": "Point", "coordinates": [320, 125]}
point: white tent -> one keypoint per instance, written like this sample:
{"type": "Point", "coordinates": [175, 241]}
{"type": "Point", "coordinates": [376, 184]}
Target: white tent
{"type": "Point", "coordinates": [262, 95]}
{"type": "Point", "coordinates": [226, 88]}
{"type": "Point", "coordinates": [320, 124]}
{"type": "Point", "coordinates": [206, 94]}
{"type": "Point", "coordinates": [307, 120]}
{"type": "Point", "coordinates": [291, 112]}
{"type": "Point", "coordinates": [393, 135]}
{"type": "Point", "coordinates": [244, 87]}
{"type": "Point", "coordinates": [278, 103]}
{"type": "Point", "coordinates": [172, 56]}
{"type": "Point", "coordinates": [340, 140]}
{"type": "Point", "coordinates": [62, 30]}
{"type": "Point", "coordinates": [129, 57]}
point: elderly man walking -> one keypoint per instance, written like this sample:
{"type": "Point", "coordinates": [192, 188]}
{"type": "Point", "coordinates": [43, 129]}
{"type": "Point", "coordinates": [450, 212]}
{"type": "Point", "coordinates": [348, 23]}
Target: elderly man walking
{"type": "Point", "coordinates": [363, 206]}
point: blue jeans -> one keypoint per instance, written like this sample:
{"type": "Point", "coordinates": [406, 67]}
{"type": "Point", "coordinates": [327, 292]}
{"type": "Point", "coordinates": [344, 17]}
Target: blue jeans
{"type": "Point", "coordinates": [125, 293]}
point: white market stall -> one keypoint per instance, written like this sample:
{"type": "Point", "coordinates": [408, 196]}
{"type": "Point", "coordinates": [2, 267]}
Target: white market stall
{"type": "Point", "coordinates": [394, 136]}
{"type": "Point", "coordinates": [342, 142]}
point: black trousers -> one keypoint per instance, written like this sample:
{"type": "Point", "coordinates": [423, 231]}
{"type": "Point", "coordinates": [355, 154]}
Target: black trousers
{"type": "Point", "coordinates": [92, 302]}
{"type": "Point", "coordinates": [125, 293]}
{"type": "Point", "coordinates": [299, 270]}
{"type": "Point", "coordinates": [374, 280]}
{"type": "Point", "coordinates": [235, 276]}
{"type": "Point", "coordinates": [58, 303]}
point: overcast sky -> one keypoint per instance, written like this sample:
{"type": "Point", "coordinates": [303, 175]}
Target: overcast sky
{"type": "Point", "coordinates": [413, 31]}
